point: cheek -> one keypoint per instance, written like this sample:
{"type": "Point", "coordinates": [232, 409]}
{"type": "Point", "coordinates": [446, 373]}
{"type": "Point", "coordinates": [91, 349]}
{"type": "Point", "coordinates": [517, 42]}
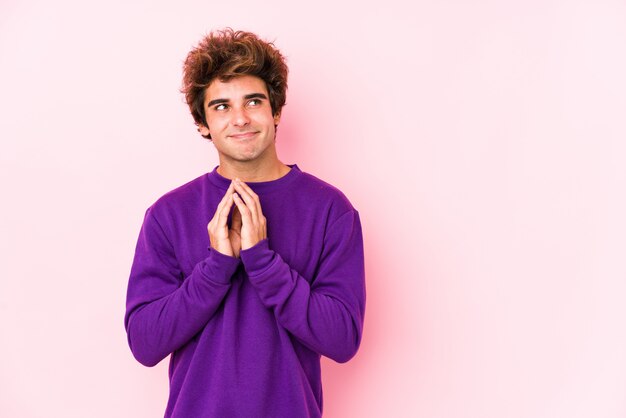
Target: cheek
{"type": "Point", "coordinates": [270, 121]}
{"type": "Point", "coordinates": [214, 123]}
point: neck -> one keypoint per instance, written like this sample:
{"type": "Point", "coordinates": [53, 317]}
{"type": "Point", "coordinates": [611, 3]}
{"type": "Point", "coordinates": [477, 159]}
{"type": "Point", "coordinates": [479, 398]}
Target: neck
{"type": "Point", "coordinates": [252, 173]}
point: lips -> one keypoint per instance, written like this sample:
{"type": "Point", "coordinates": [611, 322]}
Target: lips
{"type": "Point", "coordinates": [243, 135]}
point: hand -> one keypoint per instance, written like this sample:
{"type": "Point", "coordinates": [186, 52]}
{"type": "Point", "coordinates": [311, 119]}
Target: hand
{"type": "Point", "coordinates": [224, 240]}
{"type": "Point", "coordinates": [248, 216]}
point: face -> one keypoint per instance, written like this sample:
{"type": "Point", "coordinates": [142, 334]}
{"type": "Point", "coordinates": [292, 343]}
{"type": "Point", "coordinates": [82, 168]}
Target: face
{"type": "Point", "coordinates": [239, 119]}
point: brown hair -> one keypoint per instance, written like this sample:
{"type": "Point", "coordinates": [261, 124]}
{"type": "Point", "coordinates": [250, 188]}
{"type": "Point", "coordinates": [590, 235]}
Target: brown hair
{"type": "Point", "coordinates": [225, 54]}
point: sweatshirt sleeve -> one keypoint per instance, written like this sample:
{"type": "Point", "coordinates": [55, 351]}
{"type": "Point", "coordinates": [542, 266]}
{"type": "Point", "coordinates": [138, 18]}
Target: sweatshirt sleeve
{"type": "Point", "coordinates": [327, 314]}
{"type": "Point", "coordinates": [164, 310]}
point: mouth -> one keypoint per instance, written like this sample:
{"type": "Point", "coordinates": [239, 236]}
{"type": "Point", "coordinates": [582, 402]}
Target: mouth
{"type": "Point", "coordinates": [242, 135]}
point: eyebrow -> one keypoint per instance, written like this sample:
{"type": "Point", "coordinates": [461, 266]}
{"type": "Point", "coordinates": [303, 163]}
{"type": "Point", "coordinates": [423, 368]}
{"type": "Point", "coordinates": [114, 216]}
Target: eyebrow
{"type": "Point", "coordinates": [246, 97]}
{"type": "Point", "coordinates": [255, 96]}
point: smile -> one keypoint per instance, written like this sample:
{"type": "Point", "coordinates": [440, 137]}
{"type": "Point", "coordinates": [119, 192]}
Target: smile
{"type": "Point", "coordinates": [243, 135]}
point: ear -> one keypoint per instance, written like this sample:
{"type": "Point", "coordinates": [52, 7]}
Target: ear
{"type": "Point", "coordinates": [204, 130]}
{"type": "Point", "coordinates": [276, 118]}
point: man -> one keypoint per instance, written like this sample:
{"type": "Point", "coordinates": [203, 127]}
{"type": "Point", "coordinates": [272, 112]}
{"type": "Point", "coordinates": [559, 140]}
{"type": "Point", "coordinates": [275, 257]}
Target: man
{"type": "Point", "coordinates": [247, 274]}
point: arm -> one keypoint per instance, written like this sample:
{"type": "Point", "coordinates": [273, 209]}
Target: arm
{"type": "Point", "coordinates": [327, 314]}
{"type": "Point", "coordinates": [163, 310]}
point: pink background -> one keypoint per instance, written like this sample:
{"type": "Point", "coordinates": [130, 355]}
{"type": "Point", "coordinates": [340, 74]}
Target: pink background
{"type": "Point", "coordinates": [483, 143]}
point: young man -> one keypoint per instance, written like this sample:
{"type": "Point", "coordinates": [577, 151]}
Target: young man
{"type": "Point", "coordinates": [247, 274]}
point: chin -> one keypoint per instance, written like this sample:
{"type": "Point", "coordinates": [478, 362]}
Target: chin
{"type": "Point", "coordinates": [246, 157]}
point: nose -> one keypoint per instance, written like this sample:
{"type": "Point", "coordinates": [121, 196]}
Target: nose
{"type": "Point", "coordinates": [239, 117]}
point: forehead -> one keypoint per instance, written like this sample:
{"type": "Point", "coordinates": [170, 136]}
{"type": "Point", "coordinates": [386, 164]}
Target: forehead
{"type": "Point", "coordinates": [235, 88]}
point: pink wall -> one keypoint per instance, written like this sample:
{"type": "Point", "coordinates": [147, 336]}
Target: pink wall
{"type": "Point", "coordinates": [482, 141]}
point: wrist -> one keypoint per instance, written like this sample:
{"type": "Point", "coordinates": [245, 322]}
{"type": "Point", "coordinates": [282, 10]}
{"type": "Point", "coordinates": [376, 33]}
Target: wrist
{"type": "Point", "coordinates": [257, 258]}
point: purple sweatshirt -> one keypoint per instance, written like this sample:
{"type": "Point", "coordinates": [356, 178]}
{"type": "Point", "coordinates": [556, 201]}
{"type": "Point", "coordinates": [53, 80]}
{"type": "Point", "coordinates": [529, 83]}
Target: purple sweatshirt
{"type": "Point", "coordinates": [246, 334]}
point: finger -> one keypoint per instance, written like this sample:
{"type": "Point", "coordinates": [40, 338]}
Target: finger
{"type": "Point", "coordinates": [254, 204]}
{"type": "Point", "coordinates": [249, 231]}
{"type": "Point", "coordinates": [257, 200]}
{"type": "Point", "coordinates": [229, 192]}
{"type": "Point", "coordinates": [250, 198]}
{"type": "Point", "coordinates": [242, 208]}
{"type": "Point", "coordinates": [247, 201]}
{"type": "Point", "coordinates": [246, 189]}
{"type": "Point", "coordinates": [218, 226]}
{"type": "Point", "coordinates": [223, 208]}
{"type": "Point", "coordinates": [223, 216]}
{"type": "Point", "coordinates": [224, 201]}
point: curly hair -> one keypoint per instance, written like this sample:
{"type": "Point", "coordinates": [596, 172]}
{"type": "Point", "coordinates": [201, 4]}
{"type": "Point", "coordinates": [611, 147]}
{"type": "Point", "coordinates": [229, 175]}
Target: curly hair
{"type": "Point", "coordinates": [225, 54]}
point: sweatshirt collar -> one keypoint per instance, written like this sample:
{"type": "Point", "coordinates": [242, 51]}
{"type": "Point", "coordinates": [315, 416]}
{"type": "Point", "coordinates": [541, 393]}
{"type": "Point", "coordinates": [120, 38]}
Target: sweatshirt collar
{"type": "Point", "coordinates": [258, 187]}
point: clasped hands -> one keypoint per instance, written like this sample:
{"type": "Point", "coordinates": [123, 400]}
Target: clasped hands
{"type": "Point", "coordinates": [248, 225]}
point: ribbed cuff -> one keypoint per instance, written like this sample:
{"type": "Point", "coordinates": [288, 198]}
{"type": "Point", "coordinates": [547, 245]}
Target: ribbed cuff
{"type": "Point", "coordinates": [258, 258]}
{"type": "Point", "coordinates": [219, 267]}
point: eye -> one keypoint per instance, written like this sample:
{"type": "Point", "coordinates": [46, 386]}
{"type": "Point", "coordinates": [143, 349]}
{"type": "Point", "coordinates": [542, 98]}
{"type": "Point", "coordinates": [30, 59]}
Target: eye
{"type": "Point", "coordinates": [221, 106]}
{"type": "Point", "coordinates": [254, 102]}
